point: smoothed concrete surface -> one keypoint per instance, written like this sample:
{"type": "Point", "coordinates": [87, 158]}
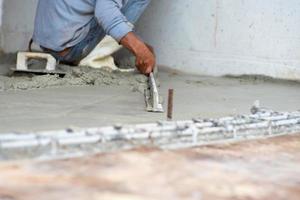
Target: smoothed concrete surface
{"type": "Point", "coordinates": [58, 108]}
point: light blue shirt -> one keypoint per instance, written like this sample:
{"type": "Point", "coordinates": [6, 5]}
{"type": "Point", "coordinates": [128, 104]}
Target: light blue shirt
{"type": "Point", "coordinates": [60, 24]}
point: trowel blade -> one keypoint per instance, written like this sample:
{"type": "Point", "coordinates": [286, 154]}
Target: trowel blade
{"type": "Point", "coordinates": [38, 71]}
{"type": "Point", "coordinates": [152, 97]}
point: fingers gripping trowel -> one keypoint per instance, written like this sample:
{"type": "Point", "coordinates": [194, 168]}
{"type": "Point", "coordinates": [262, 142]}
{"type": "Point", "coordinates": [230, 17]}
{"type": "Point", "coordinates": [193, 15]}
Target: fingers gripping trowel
{"type": "Point", "coordinates": [152, 97]}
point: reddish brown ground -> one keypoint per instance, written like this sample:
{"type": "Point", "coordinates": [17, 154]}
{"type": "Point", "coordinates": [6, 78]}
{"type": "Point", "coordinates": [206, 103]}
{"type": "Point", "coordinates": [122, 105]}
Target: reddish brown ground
{"type": "Point", "coordinates": [265, 169]}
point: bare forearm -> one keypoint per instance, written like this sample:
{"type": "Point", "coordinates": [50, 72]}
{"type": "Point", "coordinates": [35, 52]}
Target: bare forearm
{"type": "Point", "coordinates": [145, 59]}
{"type": "Point", "coordinates": [133, 43]}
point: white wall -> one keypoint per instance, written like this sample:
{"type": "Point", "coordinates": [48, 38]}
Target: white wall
{"type": "Point", "coordinates": [1, 12]}
{"type": "Point", "coordinates": [217, 37]}
{"type": "Point", "coordinates": [17, 26]}
{"type": "Point", "coordinates": [1, 9]}
{"type": "Point", "coordinates": [211, 37]}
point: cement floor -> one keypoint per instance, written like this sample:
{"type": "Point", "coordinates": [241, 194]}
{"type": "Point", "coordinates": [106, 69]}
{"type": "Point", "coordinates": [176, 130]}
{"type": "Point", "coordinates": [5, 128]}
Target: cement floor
{"type": "Point", "coordinates": [58, 108]}
{"type": "Point", "coordinates": [253, 170]}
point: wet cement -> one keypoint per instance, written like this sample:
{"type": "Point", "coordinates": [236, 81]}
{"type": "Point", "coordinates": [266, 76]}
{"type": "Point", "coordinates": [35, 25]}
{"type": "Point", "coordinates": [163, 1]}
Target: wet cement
{"type": "Point", "coordinates": [86, 76]}
{"type": "Point", "coordinates": [92, 106]}
{"type": "Point", "coordinates": [76, 76]}
{"type": "Point", "coordinates": [88, 97]}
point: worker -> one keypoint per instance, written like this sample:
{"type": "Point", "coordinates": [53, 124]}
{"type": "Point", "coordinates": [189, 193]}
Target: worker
{"type": "Point", "coordinates": [75, 30]}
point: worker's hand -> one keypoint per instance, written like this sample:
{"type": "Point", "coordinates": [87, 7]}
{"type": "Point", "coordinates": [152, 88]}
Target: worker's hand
{"type": "Point", "coordinates": [145, 58]}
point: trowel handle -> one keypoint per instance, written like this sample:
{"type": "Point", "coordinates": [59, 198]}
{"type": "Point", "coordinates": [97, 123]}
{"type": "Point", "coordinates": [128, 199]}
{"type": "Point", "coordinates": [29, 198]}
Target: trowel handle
{"type": "Point", "coordinates": [155, 71]}
{"type": "Point", "coordinates": [23, 57]}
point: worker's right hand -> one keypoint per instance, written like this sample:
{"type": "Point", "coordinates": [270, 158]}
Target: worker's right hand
{"type": "Point", "coordinates": [145, 58]}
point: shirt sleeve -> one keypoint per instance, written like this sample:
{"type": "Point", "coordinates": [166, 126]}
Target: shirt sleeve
{"type": "Point", "coordinates": [110, 17]}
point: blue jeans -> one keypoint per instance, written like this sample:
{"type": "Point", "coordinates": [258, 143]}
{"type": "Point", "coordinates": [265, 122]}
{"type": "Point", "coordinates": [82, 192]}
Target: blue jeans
{"type": "Point", "coordinates": [132, 10]}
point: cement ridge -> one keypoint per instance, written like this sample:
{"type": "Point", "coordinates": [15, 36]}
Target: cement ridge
{"type": "Point", "coordinates": [163, 135]}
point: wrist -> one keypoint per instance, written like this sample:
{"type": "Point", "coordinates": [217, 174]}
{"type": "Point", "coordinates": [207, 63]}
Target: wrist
{"type": "Point", "coordinates": [138, 47]}
{"type": "Point", "coordinates": [132, 43]}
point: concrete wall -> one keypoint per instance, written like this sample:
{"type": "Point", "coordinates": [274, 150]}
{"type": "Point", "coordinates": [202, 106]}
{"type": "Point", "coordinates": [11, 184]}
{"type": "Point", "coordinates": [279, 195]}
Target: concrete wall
{"type": "Point", "coordinates": [211, 37]}
{"type": "Point", "coordinates": [1, 13]}
{"type": "Point", "coordinates": [17, 25]}
{"type": "Point", "coordinates": [218, 37]}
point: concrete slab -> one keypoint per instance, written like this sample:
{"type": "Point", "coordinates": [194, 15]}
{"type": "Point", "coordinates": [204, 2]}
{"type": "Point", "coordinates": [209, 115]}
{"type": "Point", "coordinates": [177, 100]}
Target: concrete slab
{"type": "Point", "coordinates": [57, 108]}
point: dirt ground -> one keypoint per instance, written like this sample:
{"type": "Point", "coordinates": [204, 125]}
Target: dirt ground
{"type": "Point", "coordinates": [264, 169]}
